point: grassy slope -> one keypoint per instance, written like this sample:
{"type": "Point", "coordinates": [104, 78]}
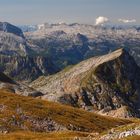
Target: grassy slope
{"type": "Point", "coordinates": [61, 114]}
{"type": "Point", "coordinates": [132, 138]}
{"type": "Point", "coordinates": [67, 135]}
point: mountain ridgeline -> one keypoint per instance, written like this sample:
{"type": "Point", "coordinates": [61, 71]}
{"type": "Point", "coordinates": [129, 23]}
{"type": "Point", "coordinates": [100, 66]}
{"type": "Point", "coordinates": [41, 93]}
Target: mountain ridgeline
{"type": "Point", "coordinates": [108, 84]}
{"type": "Point", "coordinates": [52, 47]}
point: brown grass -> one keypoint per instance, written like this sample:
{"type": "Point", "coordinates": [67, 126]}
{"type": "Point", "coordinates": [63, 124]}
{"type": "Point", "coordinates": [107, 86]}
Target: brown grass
{"type": "Point", "coordinates": [27, 135]}
{"type": "Point", "coordinates": [132, 138]}
{"type": "Point", "coordinates": [61, 114]}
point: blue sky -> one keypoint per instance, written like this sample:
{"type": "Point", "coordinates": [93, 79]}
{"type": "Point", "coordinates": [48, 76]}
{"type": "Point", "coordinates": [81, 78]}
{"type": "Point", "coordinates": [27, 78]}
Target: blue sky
{"type": "Point", "coordinates": [82, 11]}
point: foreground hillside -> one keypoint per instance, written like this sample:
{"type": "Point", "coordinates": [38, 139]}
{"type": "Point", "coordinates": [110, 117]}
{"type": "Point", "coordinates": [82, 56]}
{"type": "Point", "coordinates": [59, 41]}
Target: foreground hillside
{"type": "Point", "coordinates": [26, 135]}
{"type": "Point", "coordinates": [107, 84]}
{"type": "Point", "coordinates": [125, 132]}
{"type": "Point", "coordinates": [33, 119]}
{"type": "Point", "coordinates": [25, 113]}
{"type": "Point", "coordinates": [19, 114]}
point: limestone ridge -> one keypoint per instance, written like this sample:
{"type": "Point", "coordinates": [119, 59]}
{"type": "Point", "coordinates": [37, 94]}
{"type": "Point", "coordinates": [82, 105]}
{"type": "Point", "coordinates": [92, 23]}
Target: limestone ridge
{"type": "Point", "coordinates": [102, 84]}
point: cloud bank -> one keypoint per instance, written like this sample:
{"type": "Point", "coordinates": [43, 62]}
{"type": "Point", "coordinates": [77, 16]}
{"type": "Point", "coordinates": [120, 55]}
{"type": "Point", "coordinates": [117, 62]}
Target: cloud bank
{"type": "Point", "coordinates": [101, 20]}
{"type": "Point", "coordinates": [127, 20]}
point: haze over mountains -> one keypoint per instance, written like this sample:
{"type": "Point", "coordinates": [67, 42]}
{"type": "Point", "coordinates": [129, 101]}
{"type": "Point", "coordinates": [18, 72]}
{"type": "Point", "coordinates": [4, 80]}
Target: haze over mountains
{"type": "Point", "coordinates": [89, 69]}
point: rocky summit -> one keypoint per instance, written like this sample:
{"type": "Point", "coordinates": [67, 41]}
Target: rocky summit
{"type": "Point", "coordinates": [107, 84]}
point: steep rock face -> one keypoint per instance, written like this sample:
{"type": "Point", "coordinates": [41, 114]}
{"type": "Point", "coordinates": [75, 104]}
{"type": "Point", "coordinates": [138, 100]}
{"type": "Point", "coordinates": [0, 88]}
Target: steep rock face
{"type": "Point", "coordinates": [99, 84]}
{"type": "Point", "coordinates": [12, 40]}
{"type": "Point", "coordinates": [26, 68]}
{"type": "Point", "coordinates": [11, 44]}
{"type": "Point", "coordinates": [18, 59]}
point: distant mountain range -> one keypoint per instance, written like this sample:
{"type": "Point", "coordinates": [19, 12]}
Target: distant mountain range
{"type": "Point", "coordinates": [95, 40]}
{"type": "Point", "coordinates": [61, 45]}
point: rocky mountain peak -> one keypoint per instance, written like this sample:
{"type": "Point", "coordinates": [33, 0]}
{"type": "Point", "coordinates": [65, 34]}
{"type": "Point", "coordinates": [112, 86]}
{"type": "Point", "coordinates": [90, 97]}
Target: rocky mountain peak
{"type": "Point", "coordinates": [9, 28]}
{"type": "Point", "coordinates": [99, 84]}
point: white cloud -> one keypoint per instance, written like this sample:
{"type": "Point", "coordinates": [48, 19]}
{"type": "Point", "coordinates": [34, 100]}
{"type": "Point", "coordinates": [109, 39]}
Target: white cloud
{"type": "Point", "coordinates": [101, 20]}
{"type": "Point", "coordinates": [127, 20]}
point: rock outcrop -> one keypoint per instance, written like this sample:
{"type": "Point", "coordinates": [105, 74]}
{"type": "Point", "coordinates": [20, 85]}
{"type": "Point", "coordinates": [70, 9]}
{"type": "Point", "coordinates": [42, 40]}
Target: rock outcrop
{"type": "Point", "coordinates": [101, 84]}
